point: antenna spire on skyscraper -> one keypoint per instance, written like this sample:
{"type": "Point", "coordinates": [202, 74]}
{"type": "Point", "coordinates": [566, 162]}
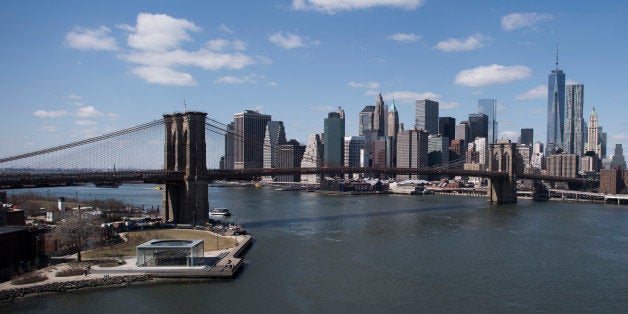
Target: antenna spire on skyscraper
{"type": "Point", "coordinates": [556, 55]}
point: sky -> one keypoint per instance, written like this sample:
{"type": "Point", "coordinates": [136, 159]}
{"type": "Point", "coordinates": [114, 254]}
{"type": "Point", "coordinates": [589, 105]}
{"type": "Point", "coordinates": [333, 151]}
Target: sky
{"type": "Point", "coordinates": [77, 69]}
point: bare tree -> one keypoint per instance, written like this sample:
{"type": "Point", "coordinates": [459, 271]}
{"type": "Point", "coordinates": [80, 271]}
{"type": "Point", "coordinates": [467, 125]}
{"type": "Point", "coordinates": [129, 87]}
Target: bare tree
{"type": "Point", "coordinates": [76, 229]}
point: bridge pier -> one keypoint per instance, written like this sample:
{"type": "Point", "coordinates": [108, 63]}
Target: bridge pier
{"type": "Point", "coordinates": [502, 157]}
{"type": "Point", "coordinates": [184, 150]}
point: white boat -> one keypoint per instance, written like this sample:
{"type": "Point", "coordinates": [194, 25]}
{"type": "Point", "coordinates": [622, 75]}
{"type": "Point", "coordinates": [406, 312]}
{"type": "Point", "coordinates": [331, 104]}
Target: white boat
{"type": "Point", "coordinates": [219, 211]}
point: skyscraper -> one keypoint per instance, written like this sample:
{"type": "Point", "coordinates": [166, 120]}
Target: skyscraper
{"type": "Point", "coordinates": [334, 126]}
{"type": "Point", "coordinates": [312, 158]}
{"type": "Point", "coordinates": [489, 108]}
{"type": "Point", "coordinates": [352, 146]}
{"type": "Point", "coordinates": [527, 137]}
{"type": "Point", "coordinates": [393, 129]}
{"type": "Point", "coordinates": [411, 150]}
{"type": "Point", "coordinates": [593, 145]}
{"type": "Point", "coordinates": [229, 137]}
{"type": "Point", "coordinates": [366, 119]}
{"type": "Point", "coordinates": [249, 128]}
{"type": "Point", "coordinates": [274, 136]}
{"type": "Point", "coordinates": [447, 128]}
{"type": "Point", "coordinates": [462, 131]}
{"type": "Point", "coordinates": [555, 110]}
{"type": "Point", "coordinates": [426, 115]}
{"type": "Point", "coordinates": [573, 120]}
{"type": "Point", "coordinates": [379, 116]}
{"type": "Point", "coordinates": [478, 126]}
{"type": "Point", "coordinates": [289, 155]}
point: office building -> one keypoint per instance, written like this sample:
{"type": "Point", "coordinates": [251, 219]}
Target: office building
{"type": "Point", "coordinates": [594, 145]}
{"type": "Point", "coordinates": [380, 116]}
{"type": "Point", "coordinates": [289, 156]}
{"type": "Point", "coordinates": [617, 160]}
{"type": "Point", "coordinates": [462, 131]}
{"type": "Point", "coordinates": [249, 129]}
{"type": "Point", "coordinates": [457, 149]}
{"type": "Point", "coordinates": [334, 126]}
{"type": "Point", "coordinates": [229, 142]}
{"type": "Point", "coordinates": [527, 137]}
{"type": "Point", "coordinates": [392, 130]}
{"type": "Point", "coordinates": [563, 165]}
{"type": "Point", "coordinates": [412, 151]}
{"type": "Point", "coordinates": [555, 110]}
{"type": "Point", "coordinates": [447, 127]}
{"type": "Point", "coordinates": [478, 126]}
{"type": "Point", "coordinates": [489, 108]}
{"type": "Point", "coordinates": [613, 181]}
{"type": "Point", "coordinates": [426, 116]}
{"type": "Point", "coordinates": [275, 135]}
{"type": "Point", "coordinates": [312, 158]}
{"type": "Point", "coordinates": [574, 123]}
{"type": "Point", "coordinates": [437, 151]}
{"type": "Point", "coordinates": [353, 146]}
{"type": "Point", "coordinates": [366, 118]}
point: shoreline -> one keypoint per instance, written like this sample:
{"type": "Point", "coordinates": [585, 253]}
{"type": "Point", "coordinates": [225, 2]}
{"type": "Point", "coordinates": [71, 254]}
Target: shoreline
{"type": "Point", "coordinates": [120, 276]}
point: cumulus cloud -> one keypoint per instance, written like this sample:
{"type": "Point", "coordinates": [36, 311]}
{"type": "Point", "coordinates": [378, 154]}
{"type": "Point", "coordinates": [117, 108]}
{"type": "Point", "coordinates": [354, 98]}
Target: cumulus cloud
{"type": "Point", "coordinates": [91, 39]}
{"type": "Point", "coordinates": [333, 6]}
{"type": "Point", "coordinates": [492, 74]}
{"type": "Point", "coordinates": [368, 85]}
{"type": "Point", "coordinates": [47, 128]}
{"type": "Point", "coordinates": [535, 93]}
{"type": "Point", "coordinates": [409, 97]}
{"type": "Point", "coordinates": [88, 111]}
{"type": "Point", "coordinates": [404, 38]}
{"type": "Point", "coordinates": [291, 41]}
{"type": "Point", "coordinates": [515, 21]}
{"type": "Point", "coordinates": [50, 114]}
{"type": "Point", "coordinates": [225, 29]}
{"type": "Point", "coordinates": [248, 79]}
{"type": "Point", "coordinates": [159, 32]}
{"type": "Point", "coordinates": [164, 76]}
{"type": "Point", "coordinates": [222, 44]}
{"type": "Point", "coordinates": [85, 122]}
{"type": "Point", "coordinates": [472, 42]}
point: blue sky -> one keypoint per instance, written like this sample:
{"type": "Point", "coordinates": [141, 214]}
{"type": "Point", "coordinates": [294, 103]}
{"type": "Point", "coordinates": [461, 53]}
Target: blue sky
{"type": "Point", "coordinates": [75, 69]}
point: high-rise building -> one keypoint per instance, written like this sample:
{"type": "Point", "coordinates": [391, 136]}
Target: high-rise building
{"type": "Point", "coordinates": [555, 110]}
{"type": "Point", "coordinates": [393, 129]}
{"type": "Point", "coordinates": [366, 119]}
{"type": "Point", "coordinates": [563, 165]}
{"type": "Point", "coordinates": [411, 151]}
{"type": "Point", "coordinates": [462, 131]}
{"type": "Point", "coordinates": [617, 160]}
{"type": "Point", "coordinates": [229, 137]}
{"type": "Point", "coordinates": [312, 158]}
{"type": "Point", "coordinates": [289, 155]}
{"type": "Point", "coordinates": [478, 126]}
{"type": "Point", "coordinates": [437, 150]}
{"type": "Point", "coordinates": [352, 147]}
{"type": "Point", "coordinates": [426, 115]}
{"type": "Point", "coordinates": [249, 128]}
{"type": "Point", "coordinates": [457, 149]}
{"type": "Point", "coordinates": [573, 138]}
{"type": "Point", "coordinates": [527, 137]}
{"type": "Point", "coordinates": [334, 126]}
{"type": "Point", "coordinates": [593, 145]}
{"type": "Point", "coordinates": [274, 136]}
{"type": "Point", "coordinates": [447, 127]}
{"type": "Point", "coordinates": [489, 108]}
{"type": "Point", "coordinates": [481, 148]}
{"type": "Point", "coordinates": [602, 143]}
{"type": "Point", "coordinates": [380, 116]}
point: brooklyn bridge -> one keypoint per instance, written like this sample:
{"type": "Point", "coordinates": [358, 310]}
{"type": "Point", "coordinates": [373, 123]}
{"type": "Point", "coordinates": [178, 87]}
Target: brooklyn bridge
{"type": "Point", "coordinates": [181, 151]}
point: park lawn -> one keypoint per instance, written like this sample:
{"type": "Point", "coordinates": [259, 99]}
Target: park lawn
{"type": "Point", "coordinates": [138, 237]}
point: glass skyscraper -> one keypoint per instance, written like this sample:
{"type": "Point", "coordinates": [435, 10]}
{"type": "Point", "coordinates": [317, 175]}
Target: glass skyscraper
{"type": "Point", "coordinates": [426, 115]}
{"type": "Point", "coordinates": [555, 110]}
{"type": "Point", "coordinates": [334, 125]}
{"type": "Point", "coordinates": [574, 123]}
{"type": "Point", "coordinates": [489, 108]}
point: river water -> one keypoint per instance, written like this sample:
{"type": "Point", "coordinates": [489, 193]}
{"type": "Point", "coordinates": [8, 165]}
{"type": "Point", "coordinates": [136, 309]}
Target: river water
{"type": "Point", "coordinates": [315, 253]}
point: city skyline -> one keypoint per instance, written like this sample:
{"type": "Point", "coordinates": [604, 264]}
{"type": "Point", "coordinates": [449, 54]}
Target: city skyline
{"type": "Point", "coordinates": [75, 71]}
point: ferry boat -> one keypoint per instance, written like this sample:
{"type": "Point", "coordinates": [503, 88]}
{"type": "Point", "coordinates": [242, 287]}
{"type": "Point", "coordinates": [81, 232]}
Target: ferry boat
{"type": "Point", "coordinates": [219, 211]}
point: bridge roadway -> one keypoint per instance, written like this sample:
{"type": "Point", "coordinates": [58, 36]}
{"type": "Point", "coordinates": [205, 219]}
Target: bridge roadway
{"type": "Point", "coordinates": [21, 179]}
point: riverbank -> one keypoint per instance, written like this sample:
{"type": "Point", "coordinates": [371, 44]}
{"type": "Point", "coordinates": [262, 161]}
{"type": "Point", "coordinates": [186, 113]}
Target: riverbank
{"type": "Point", "coordinates": [225, 264]}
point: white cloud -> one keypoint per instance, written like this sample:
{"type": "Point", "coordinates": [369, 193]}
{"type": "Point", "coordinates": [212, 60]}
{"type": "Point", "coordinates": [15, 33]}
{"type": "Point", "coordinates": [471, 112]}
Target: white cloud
{"type": "Point", "coordinates": [371, 92]}
{"type": "Point", "coordinates": [273, 84]}
{"type": "Point", "coordinates": [159, 32]}
{"type": "Point", "coordinates": [85, 122]}
{"type": "Point", "coordinates": [50, 114]}
{"type": "Point", "coordinates": [47, 128]}
{"type": "Point", "coordinates": [570, 82]}
{"type": "Point", "coordinates": [492, 74]}
{"type": "Point", "coordinates": [333, 6]}
{"type": "Point", "coordinates": [112, 115]}
{"type": "Point", "coordinates": [249, 79]}
{"type": "Point", "coordinates": [523, 20]}
{"type": "Point", "coordinates": [91, 39]}
{"type": "Point", "coordinates": [472, 42]}
{"type": "Point", "coordinates": [203, 58]}
{"type": "Point", "coordinates": [535, 93]}
{"type": "Point", "coordinates": [222, 44]}
{"type": "Point", "coordinates": [164, 76]}
{"type": "Point", "coordinates": [449, 105]}
{"type": "Point", "coordinates": [368, 85]}
{"type": "Point", "coordinates": [409, 97]}
{"type": "Point", "coordinates": [75, 100]}
{"type": "Point", "coordinates": [291, 41]}
{"type": "Point", "coordinates": [225, 29]}
{"type": "Point", "coordinates": [405, 38]}
{"type": "Point", "coordinates": [509, 134]}
{"type": "Point", "coordinates": [88, 111]}
{"type": "Point", "coordinates": [259, 108]}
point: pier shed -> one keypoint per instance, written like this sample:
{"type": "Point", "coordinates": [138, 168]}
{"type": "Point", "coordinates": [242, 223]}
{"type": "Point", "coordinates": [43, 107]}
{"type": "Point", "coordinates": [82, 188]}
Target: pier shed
{"type": "Point", "coordinates": [170, 252]}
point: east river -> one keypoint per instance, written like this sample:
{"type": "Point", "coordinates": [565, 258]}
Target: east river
{"type": "Point", "coordinates": [315, 253]}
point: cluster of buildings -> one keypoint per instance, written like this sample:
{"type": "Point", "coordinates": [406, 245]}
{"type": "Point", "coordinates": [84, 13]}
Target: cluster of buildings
{"type": "Point", "coordinates": [574, 146]}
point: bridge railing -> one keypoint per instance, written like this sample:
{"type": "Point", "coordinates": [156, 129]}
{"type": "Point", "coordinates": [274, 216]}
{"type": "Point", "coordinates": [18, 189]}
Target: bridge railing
{"type": "Point", "coordinates": [35, 179]}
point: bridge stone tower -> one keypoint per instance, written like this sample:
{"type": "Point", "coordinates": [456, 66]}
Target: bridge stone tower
{"type": "Point", "coordinates": [184, 150]}
{"type": "Point", "coordinates": [502, 158]}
